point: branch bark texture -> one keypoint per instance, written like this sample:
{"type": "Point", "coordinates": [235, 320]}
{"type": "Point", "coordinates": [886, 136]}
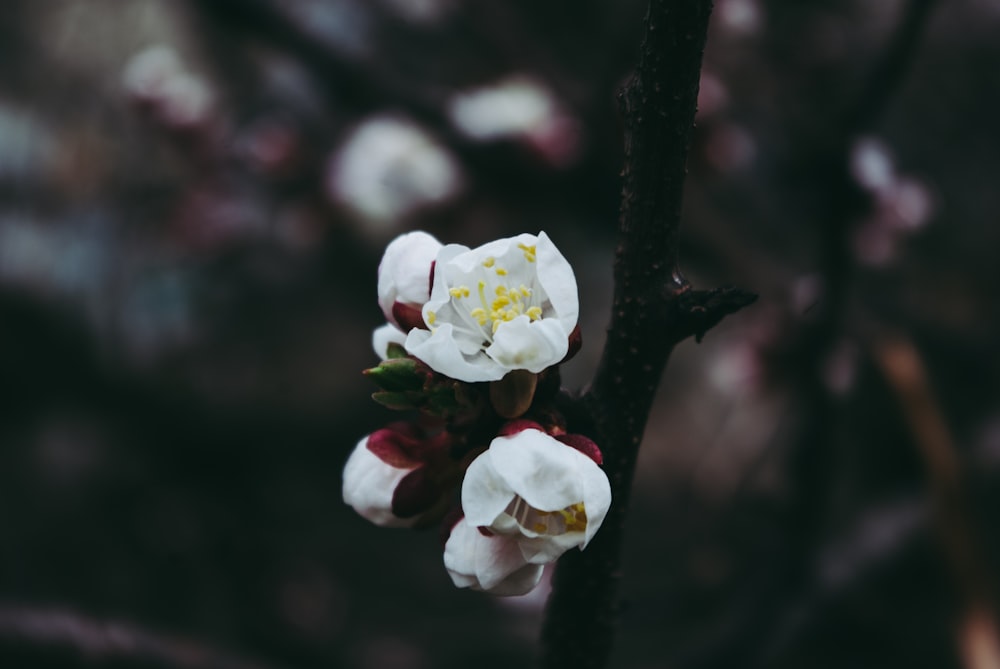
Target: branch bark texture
{"type": "Point", "coordinates": [654, 308]}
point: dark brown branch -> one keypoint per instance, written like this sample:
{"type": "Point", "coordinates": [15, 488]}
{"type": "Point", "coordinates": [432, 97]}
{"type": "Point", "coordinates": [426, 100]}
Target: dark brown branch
{"type": "Point", "coordinates": [654, 309]}
{"type": "Point", "coordinates": [103, 641]}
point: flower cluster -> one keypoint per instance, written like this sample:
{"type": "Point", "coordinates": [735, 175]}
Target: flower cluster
{"type": "Point", "coordinates": [472, 345]}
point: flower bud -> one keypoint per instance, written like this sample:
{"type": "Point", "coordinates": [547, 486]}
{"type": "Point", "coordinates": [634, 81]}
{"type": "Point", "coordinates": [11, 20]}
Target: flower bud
{"type": "Point", "coordinates": [407, 383]}
{"type": "Point", "coordinates": [399, 374]}
{"type": "Point", "coordinates": [511, 396]}
{"type": "Point", "coordinates": [396, 477]}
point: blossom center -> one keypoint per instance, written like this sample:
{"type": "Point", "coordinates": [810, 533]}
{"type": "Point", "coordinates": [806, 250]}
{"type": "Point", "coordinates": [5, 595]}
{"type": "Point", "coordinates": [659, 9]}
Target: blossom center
{"type": "Point", "coordinates": [494, 299]}
{"type": "Point", "coordinates": [549, 523]}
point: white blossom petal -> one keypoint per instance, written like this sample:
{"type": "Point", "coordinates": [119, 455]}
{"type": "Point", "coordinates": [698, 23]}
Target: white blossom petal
{"type": "Point", "coordinates": [404, 274]}
{"type": "Point", "coordinates": [543, 550]}
{"type": "Point", "coordinates": [369, 484]}
{"type": "Point", "coordinates": [485, 494]}
{"type": "Point", "coordinates": [462, 580]}
{"type": "Point", "coordinates": [440, 351]}
{"type": "Point", "coordinates": [523, 344]}
{"type": "Point", "coordinates": [520, 582]}
{"type": "Point", "coordinates": [497, 558]}
{"type": "Point", "coordinates": [544, 472]}
{"type": "Point", "coordinates": [442, 271]}
{"type": "Point", "coordinates": [597, 496]}
{"type": "Point", "coordinates": [553, 270]}
{"type": "Point", "coordinates": [385, 335]}
{"type": "Point", "coordinates": [493, 564]}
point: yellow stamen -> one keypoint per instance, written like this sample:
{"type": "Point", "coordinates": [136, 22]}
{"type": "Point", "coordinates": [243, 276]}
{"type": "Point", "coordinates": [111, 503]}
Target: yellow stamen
{"type": "Point", "coordinates": [575, 517]}
{"type": "Point", "coordinates": [501, 271]}
{"type": "Point", "coordinates": [482, 294]}
{"type": "Point", "coordinates": [459, 291]}
{"type": "Point", "coordinates": [479, 314]}
{"type": "Point", "coordinates": [534, 313]}
{"type": "Point", "coordinates": [431, 317]}
{"type": "Point", "coordinates": [529, 252]}
{"type": "Point", "coordinates": [489, 262]}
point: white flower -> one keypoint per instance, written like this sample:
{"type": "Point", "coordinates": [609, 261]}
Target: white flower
{"type": "Point", "coordinates": [491, 564]}
{"type": "Point", "coordinates": [389, 168]}
{"type": "Point", "coordinates": [404, 275]}
{"type": "Point", "coordinates": [545, 495]}
{"type": "Point", "coordinates": [510, 304]}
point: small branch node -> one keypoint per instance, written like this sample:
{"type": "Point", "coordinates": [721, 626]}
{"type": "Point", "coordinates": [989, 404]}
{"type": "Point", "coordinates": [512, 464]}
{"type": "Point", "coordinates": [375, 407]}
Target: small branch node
{"type": "Point", "coordinates": [698, 311]}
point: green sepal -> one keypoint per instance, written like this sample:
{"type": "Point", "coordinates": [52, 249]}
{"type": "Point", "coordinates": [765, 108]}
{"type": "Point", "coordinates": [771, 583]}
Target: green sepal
{"type": "Point", "coordinates": [442, 400]}
{"type": "Point", "coordinates": [394, 351]}
{"type": "Point", "coordinates": [396, 401]}
{"type": "Point", "coordinates": [398, 374]}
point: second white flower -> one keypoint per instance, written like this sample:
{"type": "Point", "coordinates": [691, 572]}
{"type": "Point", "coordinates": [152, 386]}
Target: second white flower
{"type": "Point", "coordinates": [547, 495]}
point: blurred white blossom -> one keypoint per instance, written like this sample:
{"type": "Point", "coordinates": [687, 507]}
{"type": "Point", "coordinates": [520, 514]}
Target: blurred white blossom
{"type": "Point", "coordinates": [388, 168]}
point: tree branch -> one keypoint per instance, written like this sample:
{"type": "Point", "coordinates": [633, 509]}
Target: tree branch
{"type": "Point", "coordinates": [654, 309]}
{"type": "Point", "coordinates": [112, 642]}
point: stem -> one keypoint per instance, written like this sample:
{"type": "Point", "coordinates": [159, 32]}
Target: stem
{"type": "Point", "coordinates": [654, 309]}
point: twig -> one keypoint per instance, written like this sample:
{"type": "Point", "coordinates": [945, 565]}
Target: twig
{"type": "Point", "coordinates": [95, 640]}
{"type": "Point", "coordinates": [888, 73]}
{"type": "Point", "coordinates": [654, 308]}
{"type": "Point", "coordinates": [901, 363]}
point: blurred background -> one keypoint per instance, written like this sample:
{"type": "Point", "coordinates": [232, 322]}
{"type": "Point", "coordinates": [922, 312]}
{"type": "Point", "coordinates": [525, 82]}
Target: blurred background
{"type": "Point", "coordinates": [194, 197]}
